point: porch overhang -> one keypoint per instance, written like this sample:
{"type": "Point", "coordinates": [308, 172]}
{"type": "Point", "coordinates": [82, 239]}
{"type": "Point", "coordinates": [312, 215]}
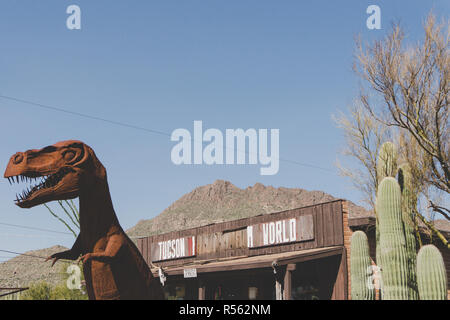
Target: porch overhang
{"type": "Point", "coordinates": [252, 262]}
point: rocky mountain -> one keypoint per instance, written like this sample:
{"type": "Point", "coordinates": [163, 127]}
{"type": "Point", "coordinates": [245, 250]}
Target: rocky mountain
{"type": "Point", "coordinates": [31, 267]}
{"type": "Point", "coordinates": [223, 201]}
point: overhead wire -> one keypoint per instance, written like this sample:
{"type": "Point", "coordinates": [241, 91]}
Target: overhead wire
{"type": "Point", "coordinates": [131, 126]}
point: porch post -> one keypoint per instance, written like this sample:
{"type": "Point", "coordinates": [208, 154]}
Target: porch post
{"type": "Point", "coordinates": [279, 272]}
{"type": "Point", "coordinates": [201, 290]}
{"type": "Point", "coordinates": [287, 283]}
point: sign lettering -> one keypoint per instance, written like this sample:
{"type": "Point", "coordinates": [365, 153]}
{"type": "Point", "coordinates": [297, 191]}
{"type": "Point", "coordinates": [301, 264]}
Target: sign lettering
{"type": "Point", "coordinates": [190, 273]}
{"type": "Point", "coordinates": [173, 249]}
{"type": "Point", "coordinates": [280, 232]}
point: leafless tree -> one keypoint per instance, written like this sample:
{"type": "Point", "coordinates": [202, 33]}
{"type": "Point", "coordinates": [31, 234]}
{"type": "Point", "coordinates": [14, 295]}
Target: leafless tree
{"type": "Point", "coordinates": [404, 95]}
{"type": "Point", "coordinates": [413, 84]}
{"type": "Point", "coordinates": [363, 139]}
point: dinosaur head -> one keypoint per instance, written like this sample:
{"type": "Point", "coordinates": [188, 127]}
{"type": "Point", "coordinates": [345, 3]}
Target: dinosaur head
{"type": "Point", "coordinates": [56, 172]}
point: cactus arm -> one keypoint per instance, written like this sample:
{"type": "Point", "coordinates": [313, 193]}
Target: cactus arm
{"type": "Point", "coordinates": [360, 268]}
{"type": "Point", "coordinates": [431, 274]}
{"type": "Point", "coordinates": [409, 204]}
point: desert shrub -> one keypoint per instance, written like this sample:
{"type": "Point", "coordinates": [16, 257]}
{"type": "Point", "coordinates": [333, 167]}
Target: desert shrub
{"type": "Point", "coordinates": [45, 291]}
{"type": "Point", "coordinates": [37, 291]}
{"type": "Point", "coordinates": [61, 292]}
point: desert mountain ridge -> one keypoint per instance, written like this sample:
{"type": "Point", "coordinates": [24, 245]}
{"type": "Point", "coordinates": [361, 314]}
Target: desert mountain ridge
{"type": "Point", "coordinates": [31, 267]}
{"type": "Point", "coordinates": [222, 201]}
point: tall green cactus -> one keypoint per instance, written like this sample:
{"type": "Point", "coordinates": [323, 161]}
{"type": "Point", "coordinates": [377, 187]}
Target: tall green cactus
{"type": "Point", "coordinates": [409, 203]}
{"type": "Point", "coordinates": [386, 167]}
{"type": "Point", "coordinates": [392, 241]}
{"type": "Point", "coordinates": [386, 161]}
{"type": "Point", "coordinates": [431, 274]}
{"type": "Point", "coordinates": [360, 267]}
{"type": "Point", "coordinates": [405, 275]}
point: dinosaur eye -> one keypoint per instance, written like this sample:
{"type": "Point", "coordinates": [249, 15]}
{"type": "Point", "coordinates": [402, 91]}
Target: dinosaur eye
{"type": "Point", "coordinates": [68, 155]}
{"type": "Point", "coordinates": [18, 158]}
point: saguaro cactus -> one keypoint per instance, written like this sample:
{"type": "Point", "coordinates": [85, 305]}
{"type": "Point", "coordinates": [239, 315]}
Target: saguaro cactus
{"type": "Point", "coordinates": [386, 161]}
{"type": "Point", "coordinates": [409, 203]}
{"type": "Point", "coordinates": [360, 267]}
{"type": "Point", "coordinates": [386, 167]}
{"type": "Point", "coordinates": [392, 241]}
{"type": "Point", "coordinates": [431, 274]}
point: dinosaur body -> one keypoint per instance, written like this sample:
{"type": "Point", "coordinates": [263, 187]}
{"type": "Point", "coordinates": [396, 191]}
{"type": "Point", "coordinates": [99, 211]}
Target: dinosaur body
{"type": "Point", "coordinates": [113, 266]}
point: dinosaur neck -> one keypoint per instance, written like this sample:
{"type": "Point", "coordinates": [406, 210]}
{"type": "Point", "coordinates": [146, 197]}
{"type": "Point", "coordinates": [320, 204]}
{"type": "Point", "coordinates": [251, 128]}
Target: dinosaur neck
{"type": "Point", "coordinates": [97, 216]}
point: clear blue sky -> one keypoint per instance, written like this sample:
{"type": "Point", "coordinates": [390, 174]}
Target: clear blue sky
{"type": "Point", "coordinates": [163, 64]}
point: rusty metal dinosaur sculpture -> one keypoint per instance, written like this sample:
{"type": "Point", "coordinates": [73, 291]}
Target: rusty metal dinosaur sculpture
{"type": "Point", "coordinates": [113, 266]}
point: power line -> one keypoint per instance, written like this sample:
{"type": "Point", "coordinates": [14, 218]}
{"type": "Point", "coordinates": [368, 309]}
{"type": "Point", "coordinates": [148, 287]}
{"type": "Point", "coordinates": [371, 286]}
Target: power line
{"type": "Point", "coordinates": [28, 255]}
{"type": "Point", "coordinates": [85, 115]}
{"type": "Point", "coordinates": [23, 254]}
{"type": "Point", "coordinates": [45, 230]}
{"type": "Point", "coordinates": [35, 236]}
{"type": "Point", "coordinates": [131, 126]}
{"type": "Point", "coordinates": [32, 228]}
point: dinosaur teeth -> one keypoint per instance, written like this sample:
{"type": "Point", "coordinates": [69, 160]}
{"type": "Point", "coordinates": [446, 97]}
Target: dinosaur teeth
{"type": "Point", "coordinates": [37, 182]}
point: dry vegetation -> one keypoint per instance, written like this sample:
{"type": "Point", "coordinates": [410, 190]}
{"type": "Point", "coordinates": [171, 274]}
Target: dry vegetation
{"type": "Point", "coordinates": [404, 98]}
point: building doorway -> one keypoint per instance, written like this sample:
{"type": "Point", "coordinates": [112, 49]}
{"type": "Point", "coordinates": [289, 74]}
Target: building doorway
{"type": "Point", "coordinates": [315, 279]}
{"type": "Point", "coordinates": [254, 284]}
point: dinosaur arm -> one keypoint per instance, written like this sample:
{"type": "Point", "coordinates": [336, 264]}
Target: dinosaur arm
{"type": "Point", "coordinates": [115, 242]}
{"type": "Point", "coordinates": [71, 254]}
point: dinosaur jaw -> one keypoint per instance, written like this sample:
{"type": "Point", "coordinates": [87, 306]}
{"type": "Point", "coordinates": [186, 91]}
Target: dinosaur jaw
{"type": "Point", "coordinates": [60, 185]}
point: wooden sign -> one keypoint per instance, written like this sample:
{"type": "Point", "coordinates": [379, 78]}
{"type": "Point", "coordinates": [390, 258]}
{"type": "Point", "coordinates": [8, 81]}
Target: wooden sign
{"type": "Point", "coordinates": [280, 232]}
{"type": "Point", "coordinates": [173, 249]}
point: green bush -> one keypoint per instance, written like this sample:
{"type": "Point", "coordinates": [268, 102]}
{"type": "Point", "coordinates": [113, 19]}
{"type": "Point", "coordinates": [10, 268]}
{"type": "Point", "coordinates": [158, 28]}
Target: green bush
{"type": "Point", "coordinates": [61, 292]}
{"type": "Point", "coordinates": [37, 291]}
{"type": "Point", "coordinates": [44, 291]}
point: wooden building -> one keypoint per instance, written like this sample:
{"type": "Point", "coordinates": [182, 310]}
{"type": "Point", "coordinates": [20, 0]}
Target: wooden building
{"type": "Point", "coordinates": [295, 254]}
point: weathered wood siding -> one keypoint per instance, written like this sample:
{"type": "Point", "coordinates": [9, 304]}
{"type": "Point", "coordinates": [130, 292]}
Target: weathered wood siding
{"type": "Point", "coordinates": [228, 239]}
